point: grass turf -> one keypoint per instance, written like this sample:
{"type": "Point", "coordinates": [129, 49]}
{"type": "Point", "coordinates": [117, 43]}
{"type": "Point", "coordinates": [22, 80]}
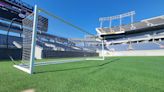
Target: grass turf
{"type": "Point", "coordinates": [116, 74]}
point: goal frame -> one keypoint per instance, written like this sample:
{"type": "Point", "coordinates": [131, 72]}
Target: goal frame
{"type": "Point", "coordinates": [32, 64]}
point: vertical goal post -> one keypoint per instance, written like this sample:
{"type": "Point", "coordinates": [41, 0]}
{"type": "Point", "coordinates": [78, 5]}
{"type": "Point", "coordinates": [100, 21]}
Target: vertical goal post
{"type": "Point", "coordinates": [68, 43]}
{"type": "Point", "coordinates": [34, 33]}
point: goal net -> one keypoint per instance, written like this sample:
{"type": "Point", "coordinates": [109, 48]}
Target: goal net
{"type": "Point", "coordinates": [49, 39]}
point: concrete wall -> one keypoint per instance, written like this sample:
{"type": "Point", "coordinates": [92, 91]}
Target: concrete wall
{"type": "Point", "coordinates": [136, 53]}
{"type": "Point", "coordinates": [14, 53]}
{"type": "Point", "coordinates": [63, 54]}
{"type": "Point", "coordinates": [17, 53]}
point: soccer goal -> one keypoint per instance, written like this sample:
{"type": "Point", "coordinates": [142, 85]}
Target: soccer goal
{"type": "Point", "coordinates": [50, 39]}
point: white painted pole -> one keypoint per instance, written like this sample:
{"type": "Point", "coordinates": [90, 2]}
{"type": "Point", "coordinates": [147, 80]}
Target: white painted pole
{"type": "Point", "coordinates": [132, 20]}
{"type": "Point", "coordinates": [101, 24]}
{"type": "Point", "coordinates": [34, 32]}
{"type": "Point", "coordinates": [120, 22]}
{"type": "Point", "coordinates": [110, 25]}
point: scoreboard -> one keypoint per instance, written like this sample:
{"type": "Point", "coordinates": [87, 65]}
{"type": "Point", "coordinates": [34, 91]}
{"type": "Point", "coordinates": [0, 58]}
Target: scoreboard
{"type": "Point", "coordinates": [10, 9]}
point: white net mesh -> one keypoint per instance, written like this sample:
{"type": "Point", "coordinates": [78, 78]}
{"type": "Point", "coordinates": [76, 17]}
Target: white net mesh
{"type": "Point", "coordinates": [57, 41]}
{"type": "Point", "coordinates": [27, 39]}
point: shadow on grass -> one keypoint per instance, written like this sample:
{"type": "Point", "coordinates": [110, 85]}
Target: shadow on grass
{"type": "Point", "coordinates": [84, 67]}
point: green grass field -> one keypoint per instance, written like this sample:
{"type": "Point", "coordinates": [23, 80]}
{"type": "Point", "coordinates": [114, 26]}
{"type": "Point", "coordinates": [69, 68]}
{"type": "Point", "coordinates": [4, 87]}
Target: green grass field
{"type": "Point", "coordinates": [116, 74]}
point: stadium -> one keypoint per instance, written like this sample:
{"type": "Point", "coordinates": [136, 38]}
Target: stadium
{"type": "Point", "coordinates": [143, 38]}
{"type": "Point", "coordinates": [43, 52]}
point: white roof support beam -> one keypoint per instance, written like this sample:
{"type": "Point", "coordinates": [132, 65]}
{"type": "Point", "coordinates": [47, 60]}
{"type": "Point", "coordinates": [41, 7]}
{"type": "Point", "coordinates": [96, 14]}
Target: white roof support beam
{"type": "Point", "coordinates": [117, 17]}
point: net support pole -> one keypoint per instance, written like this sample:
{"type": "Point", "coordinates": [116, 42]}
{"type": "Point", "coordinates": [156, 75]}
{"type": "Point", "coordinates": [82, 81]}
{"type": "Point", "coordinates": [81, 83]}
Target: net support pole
{"type": "Point", "coordinates": [34, 32]}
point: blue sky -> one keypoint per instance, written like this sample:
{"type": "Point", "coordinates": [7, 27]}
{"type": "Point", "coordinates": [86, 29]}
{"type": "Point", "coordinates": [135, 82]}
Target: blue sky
{"type": "Point", "coordinates": [85, 13]}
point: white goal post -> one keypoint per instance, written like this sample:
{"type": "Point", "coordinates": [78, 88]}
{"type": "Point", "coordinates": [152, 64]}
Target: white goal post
{"type": "Point", "coordinates": [68, 43]}
{"type": "Point", "coordinates": [29, 68]}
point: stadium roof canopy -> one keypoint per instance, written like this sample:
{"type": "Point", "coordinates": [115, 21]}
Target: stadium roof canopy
{"type": "Point", "coordinates": [141, 26]}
